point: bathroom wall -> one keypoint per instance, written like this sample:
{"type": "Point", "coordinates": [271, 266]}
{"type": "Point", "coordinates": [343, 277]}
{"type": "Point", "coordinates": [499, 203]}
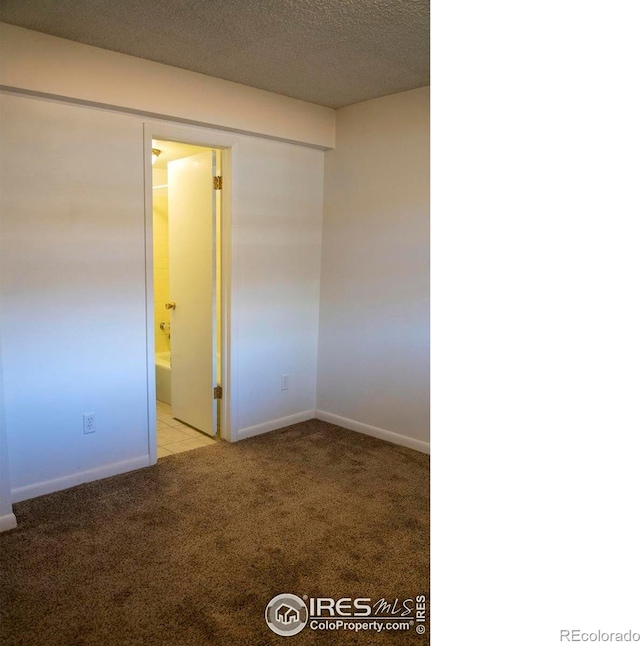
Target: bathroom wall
{"type": "Point", "coordinates": [161, 259]}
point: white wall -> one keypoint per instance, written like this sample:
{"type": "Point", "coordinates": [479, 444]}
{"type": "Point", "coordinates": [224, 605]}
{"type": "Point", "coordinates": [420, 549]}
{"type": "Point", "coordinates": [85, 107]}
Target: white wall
{"type": "Point", "coordinates": [72, 292]}
{"type": "Point", "coordinates": [7, 517]}
{"type": "Point", "coordinates": [73, 288]}
{"type": "Point", "coordinates": [373, 363]}
{"type": "Point", "coordinates": [278, 219]}
{"type": "Point", "coordinates": [44, 64]}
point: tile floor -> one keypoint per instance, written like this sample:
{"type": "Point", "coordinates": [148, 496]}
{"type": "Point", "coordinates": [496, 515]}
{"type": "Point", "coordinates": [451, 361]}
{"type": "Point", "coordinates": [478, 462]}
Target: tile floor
{"type": "Point", "coordinates": [174, 436]}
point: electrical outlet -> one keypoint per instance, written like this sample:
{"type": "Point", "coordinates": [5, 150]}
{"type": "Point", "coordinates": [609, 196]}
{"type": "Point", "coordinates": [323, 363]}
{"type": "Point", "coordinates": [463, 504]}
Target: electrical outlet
{"type": "Point", "coordinates": [89, 423]}
{"type": "Point", "coordinates": [284, 382]}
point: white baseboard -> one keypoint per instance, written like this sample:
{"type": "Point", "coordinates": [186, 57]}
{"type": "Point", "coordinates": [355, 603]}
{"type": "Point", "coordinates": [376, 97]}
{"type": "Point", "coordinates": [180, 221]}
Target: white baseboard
{"type": "Point", "coordinates": [275, 424]}
{"type": "Point", "coordinates": [57, 484]}
{"type": "Point", "coordinates": [8, 521]}
{"type": "Point", "coordinates": [374, 431]}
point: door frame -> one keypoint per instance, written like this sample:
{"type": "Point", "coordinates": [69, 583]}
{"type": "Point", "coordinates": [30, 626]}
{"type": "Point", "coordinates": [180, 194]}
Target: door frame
{"type": "Point", "coordinates": [227, 144]}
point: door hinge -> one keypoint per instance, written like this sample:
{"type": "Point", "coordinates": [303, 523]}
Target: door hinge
{"type": "Point", "coordinates": [217, 392]}
{"type": "Point", "coordinates": [217, 183]}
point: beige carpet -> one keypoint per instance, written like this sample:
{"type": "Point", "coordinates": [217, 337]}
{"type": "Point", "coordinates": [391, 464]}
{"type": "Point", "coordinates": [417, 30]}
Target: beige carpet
{"type": "Point", "coordinates": [191, 550]}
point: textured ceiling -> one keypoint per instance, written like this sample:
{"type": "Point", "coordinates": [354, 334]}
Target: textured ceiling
{"type": "Point", "coordinates": [329, 52]}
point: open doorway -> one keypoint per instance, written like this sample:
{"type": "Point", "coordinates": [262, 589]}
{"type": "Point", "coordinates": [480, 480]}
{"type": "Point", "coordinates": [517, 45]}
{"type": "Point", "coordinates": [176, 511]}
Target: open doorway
{"type": "Point", "coordinates": [187, 291]}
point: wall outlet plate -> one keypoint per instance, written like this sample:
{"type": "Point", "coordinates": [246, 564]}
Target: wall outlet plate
{"type": "Point", "coordinates": [284, 382]}
{"type": "Point", "coordinates": [89, 423]}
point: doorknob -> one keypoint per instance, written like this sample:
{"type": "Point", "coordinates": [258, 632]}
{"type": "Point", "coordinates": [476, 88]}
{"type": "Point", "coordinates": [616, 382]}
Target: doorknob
{"type": "Point", "coordinates": [170, 305]}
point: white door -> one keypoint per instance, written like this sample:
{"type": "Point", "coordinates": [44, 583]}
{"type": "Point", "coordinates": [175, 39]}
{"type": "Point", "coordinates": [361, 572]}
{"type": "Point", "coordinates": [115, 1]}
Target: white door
{"type": "Point", "coordinates": [192, 281]}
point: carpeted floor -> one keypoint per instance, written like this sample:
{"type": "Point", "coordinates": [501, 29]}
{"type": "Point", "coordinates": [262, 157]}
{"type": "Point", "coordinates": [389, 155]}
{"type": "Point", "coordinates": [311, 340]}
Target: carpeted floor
{"type": "Point", "coordinates": [190, 551]}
